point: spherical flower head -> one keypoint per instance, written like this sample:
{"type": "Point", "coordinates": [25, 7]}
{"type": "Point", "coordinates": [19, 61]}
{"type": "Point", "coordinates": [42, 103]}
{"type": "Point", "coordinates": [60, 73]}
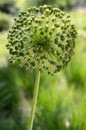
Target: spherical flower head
{"type": "Point", "coordinates": [42, 37]}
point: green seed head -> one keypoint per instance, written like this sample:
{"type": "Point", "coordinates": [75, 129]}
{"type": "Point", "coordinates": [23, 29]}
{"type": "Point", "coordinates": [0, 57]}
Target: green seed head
{"type": "Point", "coordinates": [44, 36]}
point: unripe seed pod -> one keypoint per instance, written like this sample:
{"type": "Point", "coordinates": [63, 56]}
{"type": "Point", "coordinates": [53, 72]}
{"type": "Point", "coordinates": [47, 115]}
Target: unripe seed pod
{"type": "Point", "coordinates": [42, 33]}
{"type": "Point", "coordinates": [57, 25]}
{"type": "Point", "coordinates": [50, 33]}
{"type": "Point", "coordinates": [21, 53]}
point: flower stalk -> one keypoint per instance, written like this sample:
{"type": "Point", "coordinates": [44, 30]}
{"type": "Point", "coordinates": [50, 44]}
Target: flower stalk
{"type": "Point", "coordinates": [34, 100]}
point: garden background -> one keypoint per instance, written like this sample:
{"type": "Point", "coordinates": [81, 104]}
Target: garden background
{"type": "Point", "coordinates": [62, 98]}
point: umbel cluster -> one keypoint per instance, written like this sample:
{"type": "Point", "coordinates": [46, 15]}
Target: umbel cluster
{"type": "Point", "coordinates": [42, 37]}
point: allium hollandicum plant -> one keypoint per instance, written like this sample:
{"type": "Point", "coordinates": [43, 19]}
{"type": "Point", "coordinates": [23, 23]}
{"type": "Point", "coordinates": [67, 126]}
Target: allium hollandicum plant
{"type": "Point", "coordinates": [43, 39]}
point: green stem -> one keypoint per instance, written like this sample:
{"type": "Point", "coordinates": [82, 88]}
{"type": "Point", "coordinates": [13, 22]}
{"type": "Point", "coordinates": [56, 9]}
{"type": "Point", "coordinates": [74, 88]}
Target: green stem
{"type": "Point", "coordinates": [34, 100]}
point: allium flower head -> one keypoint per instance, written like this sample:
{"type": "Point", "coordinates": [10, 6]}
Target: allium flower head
{"type": "Point", "coordinates": [42, 37]}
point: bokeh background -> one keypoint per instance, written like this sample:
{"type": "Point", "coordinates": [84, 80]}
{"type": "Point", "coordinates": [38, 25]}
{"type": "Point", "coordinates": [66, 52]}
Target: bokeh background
{"type": "Point", "coordinates": [62, 98]}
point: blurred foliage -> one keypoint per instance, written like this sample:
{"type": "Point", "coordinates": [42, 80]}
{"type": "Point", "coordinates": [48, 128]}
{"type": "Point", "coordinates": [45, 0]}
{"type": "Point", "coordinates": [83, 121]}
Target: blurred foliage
{"type": "Point", "coordinates": [12, 115]}
{"type": "Point", "coordinates": [60, 109]}
{"type": "Point", "coordinates": [80, 21]}
{"type": "Point", "coordinates": [3, 50]}
{"type": "Point", "coordinates": [62, 4]}
{"type": "Point", "coordinates": [16, 121]}
{"type": "Point", "coordinates": [4, 1]}
{"type": "Point", "coordinates": [66, 4]}
{"type": "Point", "coordinates": [8, 6]}
{"type": "Point", "coordinates": [43, 2]}
{"type": "Point", "coordinates": [4, 21]}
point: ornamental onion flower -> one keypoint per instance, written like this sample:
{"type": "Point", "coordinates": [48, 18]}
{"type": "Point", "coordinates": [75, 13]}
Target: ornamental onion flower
{"type": "Point", "coordinates": [44, 35]}
{"type": "Point", "coordinates": [43, 39]}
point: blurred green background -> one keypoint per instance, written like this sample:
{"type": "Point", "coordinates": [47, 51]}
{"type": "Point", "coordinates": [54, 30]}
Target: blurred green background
{"type": "Point", "coordinates": [62, 98]}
